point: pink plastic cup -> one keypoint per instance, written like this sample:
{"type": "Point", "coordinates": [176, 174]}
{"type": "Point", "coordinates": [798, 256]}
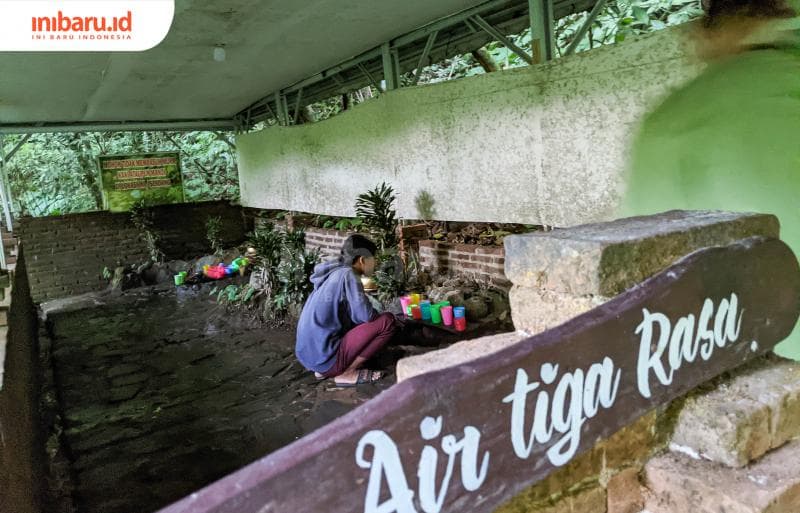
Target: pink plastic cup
{"type": "Point", "coordinates": [405, 302]}
{"type": "Point", "coordinates": [447, 315]}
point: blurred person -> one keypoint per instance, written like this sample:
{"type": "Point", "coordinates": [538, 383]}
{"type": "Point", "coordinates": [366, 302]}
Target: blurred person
{"type": "Point", "coordinates": [730, 138]}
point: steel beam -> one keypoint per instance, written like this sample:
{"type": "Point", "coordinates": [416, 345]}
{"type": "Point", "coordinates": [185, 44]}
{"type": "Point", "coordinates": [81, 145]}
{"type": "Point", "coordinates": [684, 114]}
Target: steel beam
{"type": "Point", "coordinates": [390, 75]}
{"type": "Point", "coordinates": [369, 76]}
{"type": "Point", "coordinates": [500, 37]}
{"type": "Point", "coordinates": [585, 27]}
{"type": "Point", "coordinates": [297, 106]}
{"type": "Point", "coordinates": [424, 55]}
{"type": "Point", "coordinates": [15, 149]}
{"type": "Point", "coordinates": [541, 18]}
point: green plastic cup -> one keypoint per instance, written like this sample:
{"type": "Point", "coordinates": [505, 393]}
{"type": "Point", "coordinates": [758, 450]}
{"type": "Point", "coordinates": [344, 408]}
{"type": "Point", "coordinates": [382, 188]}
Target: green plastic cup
{"type": "Point", "coordinates": [436, 313]}
{"type": "Point", "coordinates": [178, 279]}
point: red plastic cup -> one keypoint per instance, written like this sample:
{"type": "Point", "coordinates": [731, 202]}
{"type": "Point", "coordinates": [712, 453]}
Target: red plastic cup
{"type": "Point", "coordinates": [447, 315]}
{"type": "Point", "coordinates": [461, 323]}
{"type": "Point", "coordinates": [416, 312]}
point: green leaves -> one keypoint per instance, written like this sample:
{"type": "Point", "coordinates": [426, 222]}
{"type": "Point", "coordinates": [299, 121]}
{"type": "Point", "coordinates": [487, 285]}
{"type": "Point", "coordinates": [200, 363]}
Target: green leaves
{"type": "Point", "coordinates": [375, 208]}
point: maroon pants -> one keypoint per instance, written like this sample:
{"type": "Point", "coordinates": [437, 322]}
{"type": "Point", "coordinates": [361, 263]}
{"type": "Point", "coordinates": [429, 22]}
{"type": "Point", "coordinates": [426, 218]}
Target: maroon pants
{"type": "Point", "coordinates": [364, 340]}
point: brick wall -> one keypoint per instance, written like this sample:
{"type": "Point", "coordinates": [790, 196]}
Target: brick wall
{"type": "Point", "coordinates": [483, 263]}
{"type": "Point", "coordinates": [66, 254]}
{"type": "Point", "coordinates": [329, 242]}
{"type": "Point", "coordinates": [22, 451]}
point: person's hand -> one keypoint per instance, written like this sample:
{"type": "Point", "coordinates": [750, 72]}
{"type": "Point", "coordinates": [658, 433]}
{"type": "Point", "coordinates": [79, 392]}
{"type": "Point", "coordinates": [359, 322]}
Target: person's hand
{"type": "Point", "coordinates": [375, 304]}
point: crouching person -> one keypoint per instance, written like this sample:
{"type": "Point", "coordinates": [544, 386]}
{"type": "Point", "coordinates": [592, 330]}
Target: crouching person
{"type": "Point", "coordinates": [339, 330]}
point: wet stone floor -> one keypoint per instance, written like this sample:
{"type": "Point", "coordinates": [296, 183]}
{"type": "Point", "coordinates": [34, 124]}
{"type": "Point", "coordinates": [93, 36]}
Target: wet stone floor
{"type": "Point", "coordinates": [162, 393]}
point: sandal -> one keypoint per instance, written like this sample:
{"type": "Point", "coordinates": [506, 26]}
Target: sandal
{"type": "Point", "coordinates": [365, 377]}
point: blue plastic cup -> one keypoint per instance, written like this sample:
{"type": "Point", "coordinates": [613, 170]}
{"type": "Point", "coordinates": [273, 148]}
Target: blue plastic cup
{"type": "Point", "coordinates": [459, 312]}
{"type": "Point", "coordinates": [425, 306]}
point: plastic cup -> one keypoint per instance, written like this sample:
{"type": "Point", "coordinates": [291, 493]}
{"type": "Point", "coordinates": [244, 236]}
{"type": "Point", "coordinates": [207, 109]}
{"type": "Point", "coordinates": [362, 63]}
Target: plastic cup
{"type": "Point", "coordinates": [415, 299]}
{"type": "Point", "coordinates": [447, 315]}
{"type": "Point", "coordinates": [425, 306]}
{"type": "Point", "coordinates": [178, 279]}
{"type": "Point", "coordinates": [183, 273]}
{"type": "Point", "coordinates": [461, 323]}
{"type": "Point", "coordinates": [436, 313]}
{"type": "Point", "coordinates": [416, 312]}
{"type": "Point", "coordinates": [405, 302]}
{"type": "Point", "coordinates": [459, 312]}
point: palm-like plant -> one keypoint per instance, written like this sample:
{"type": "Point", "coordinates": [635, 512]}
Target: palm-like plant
{"type": "Point", "coordinates": [375, 209]}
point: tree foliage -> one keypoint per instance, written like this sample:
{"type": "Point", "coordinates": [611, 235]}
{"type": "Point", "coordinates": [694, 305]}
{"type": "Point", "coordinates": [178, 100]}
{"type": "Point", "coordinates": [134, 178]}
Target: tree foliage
{"type": "Point", "coordinates": [56, 173]}
{"type": "Point", "coordinates": [617, 20]}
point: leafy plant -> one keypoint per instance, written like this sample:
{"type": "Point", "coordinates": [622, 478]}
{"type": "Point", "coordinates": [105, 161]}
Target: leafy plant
{"type": "Point", "coordinates": [347, 224]}
{"type": "Point", "coordinates": [375, 209]}
{"type": "Point", "coordinates": [284, 267]}
{"type": "Point", "coordinates": [143, 218]}
{"type": "Point", "coordinates": [213, 230]}
{"type": "Point", "coordinates": [294, 273]}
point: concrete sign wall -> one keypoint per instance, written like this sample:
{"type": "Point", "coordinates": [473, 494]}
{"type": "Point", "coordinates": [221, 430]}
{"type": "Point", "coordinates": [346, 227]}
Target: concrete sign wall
{"type": "Point", "coordinates": [540, 145]}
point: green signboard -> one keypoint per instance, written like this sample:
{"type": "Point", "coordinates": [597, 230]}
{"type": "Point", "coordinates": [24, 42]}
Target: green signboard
{"type": "Point", "coordinates": [154, 178]}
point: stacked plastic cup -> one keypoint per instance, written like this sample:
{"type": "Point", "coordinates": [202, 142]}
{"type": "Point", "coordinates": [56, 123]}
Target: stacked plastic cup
{"type": "Point", "coordinates": [436, 313]}
{"type": "Point", "coordinates": [447, 315]}
{"type": "Point", "coordinates": [425, 306]}
{"type": "Point", "coordinates": [416, 313]}
{"type": "Point", "coordinates": [459, 318]}
{"type": "Point", "coordinates": [405, 302]}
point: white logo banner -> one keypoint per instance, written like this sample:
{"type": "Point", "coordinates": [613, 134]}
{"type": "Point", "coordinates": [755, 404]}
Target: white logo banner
{"type": "Point", "coordinates": [83, 25]}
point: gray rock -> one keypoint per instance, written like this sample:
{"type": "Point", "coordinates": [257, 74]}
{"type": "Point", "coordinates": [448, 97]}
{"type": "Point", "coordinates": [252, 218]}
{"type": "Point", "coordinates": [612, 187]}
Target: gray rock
{"type": "Point", "coordinates": [177, 266]}
{"type": "Point", "coordinates": [454, 296]}
{"type": "Point", "coordinates": [477, 308]}
{"type": "Point", "coordinates": [608, 258]}
{"type": "Point", "coordinates": [742, 419]}
{"type": "Point", "coordinates": [455, 354]}
{"type": "Point", "coordinates": [206, 260]}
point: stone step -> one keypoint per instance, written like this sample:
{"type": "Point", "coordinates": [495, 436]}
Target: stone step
{"type": "Point", "coordinates": [744, 417]}
{"type": "Point", "coordinates": [677, 483]}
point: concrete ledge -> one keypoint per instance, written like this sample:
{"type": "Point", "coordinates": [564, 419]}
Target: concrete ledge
{"type": "Point", "coordinates": [739, 421]}
{"type": "Point", "coordinates": [678, 483]}
{"type": "Point", "coordinates": [607, 258]}
{"type": "Point", "coordinates": [454, 355]}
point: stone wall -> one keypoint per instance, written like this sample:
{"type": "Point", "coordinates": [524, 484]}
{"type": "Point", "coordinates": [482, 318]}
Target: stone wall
{"type": "Point", "coordinates": [541, 145]}
{"type": "Point", "coordinates": [483, 263]}
{"type": "Point", "coordinates": [22, 447]}
{"type": "Point", "coordinates": [727, 446]}
{"type": "Point", "coordinates": [66, 254]}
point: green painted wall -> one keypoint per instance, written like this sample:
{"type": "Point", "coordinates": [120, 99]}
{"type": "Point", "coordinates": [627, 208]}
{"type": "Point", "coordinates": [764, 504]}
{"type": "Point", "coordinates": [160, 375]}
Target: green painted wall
{"type": "Point", "coordinates": [542, 145]}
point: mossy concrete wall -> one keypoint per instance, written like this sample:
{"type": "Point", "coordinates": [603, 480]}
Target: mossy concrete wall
{"type": "Point", "coordinates": [541, 145]}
